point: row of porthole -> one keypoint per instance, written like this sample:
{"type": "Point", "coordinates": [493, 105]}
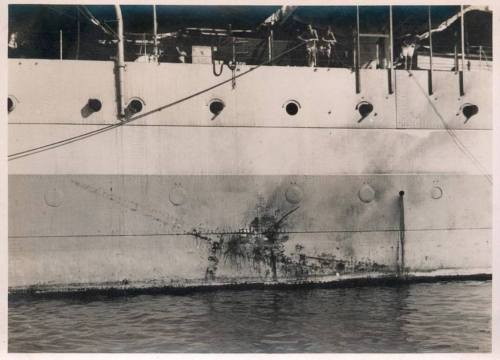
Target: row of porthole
{"type": "Point", "coordinates": [364, 108]}
{"type": "Point", "coordinates": [367, 194]}
{"type": "Point", "coordinates": [291, 107]}
{"type": "Point", "coordinates": [293, 194]}
{"type": "Point", "coordinates": [134, 106]}
{"type": "Point", "coordinates": [216, 106]}
{"type": "Point", "coordinates": [177, 196]}
{"type": "Point", "coordinates": [54, 197]}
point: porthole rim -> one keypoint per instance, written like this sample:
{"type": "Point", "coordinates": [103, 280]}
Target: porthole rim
{"type": "Point", "coordinates": [289, 102]}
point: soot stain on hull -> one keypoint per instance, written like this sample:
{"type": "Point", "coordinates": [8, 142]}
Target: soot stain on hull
{"type": "Point", "coordinates": [150, 213]}
{"type": "Point", "coordinates": [261, 245]}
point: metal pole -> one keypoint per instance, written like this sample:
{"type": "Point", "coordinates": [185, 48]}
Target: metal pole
{"type": "Point", "coordinates": [430, 53]}
{"type": "Point", "coordinates": [357, 35]}
{"type": "Point", "coordinates": [461, 73]}
{"type": "Point", "coordinates": [391, 50]}
{"type": "Point", "coordinates": [120, 62]}
{"type": "Point", "coordinates": [270, 46]}
{"type": "Point", "coordinates": [462, 35]}
{"type": "Point", "coordinates": [391, 39]}
{"type": "Point", "coordinates": [402, 231]}
{"type": "Point", "coordinates": [234, 50]}
{"type": "Point", "coordinates": [60, 45]}
{"type": "Point", "coordinates": [155, 33]}
{"type": "Point", "coordinates": [357, 57]}
{"type": "Point", "coordinates": [354, 52]}
{"type": "Point", "coordinates": [77, 34]}
{"type": "Point", "coordinates": [430, 40]}
{"type": "Point", "coordinates": [356, 64]}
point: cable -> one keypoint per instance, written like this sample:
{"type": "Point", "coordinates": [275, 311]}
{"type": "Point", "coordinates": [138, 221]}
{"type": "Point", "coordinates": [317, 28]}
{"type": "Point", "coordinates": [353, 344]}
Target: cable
{"type": "Point", "coordinates": [103, 26]}
{"type": "Point", "coordinates": [70, 140]}
{"type": "Point", "coordinates": [61, 142]}
{"type": "Point", "coordinates": [205, 233]}
{"type": "Point", "coordinates": [59, 12]}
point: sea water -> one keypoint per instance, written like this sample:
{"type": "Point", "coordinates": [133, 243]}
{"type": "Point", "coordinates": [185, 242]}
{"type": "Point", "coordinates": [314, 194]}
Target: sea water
{"type": "Point", "coordinates": [425, 317]}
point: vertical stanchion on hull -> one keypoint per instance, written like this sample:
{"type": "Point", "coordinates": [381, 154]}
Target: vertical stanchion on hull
{"type": "Point", "coordinates": [401, 244]}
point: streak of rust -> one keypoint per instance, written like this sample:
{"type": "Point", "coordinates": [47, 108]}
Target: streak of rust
{"type": "Point", "coordinates": [152, 214]}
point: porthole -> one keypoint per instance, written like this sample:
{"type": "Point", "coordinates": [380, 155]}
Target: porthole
{"type": "Point", "coordinates": [53, 197]}
{"type": "Point", "coordinates": [469, 110]}
{"type": "Point", "coordinates": [177, 195]}
{"type": "Point", "coordinates": [11, 104]}
{"type": "Point", "coordinates": [134, 106]}
{"type": "Point", "coordinates": [95, 104]}
{"type": "Point", "coordinates": [436, 192]}
{"type": "Point", "coordinates": [292, 107]}
{"type": "Point", "coordinates": [216, 106]}
{"type": "Point", "coordinates": [294, 194]}
{"type": "Point", "coordinates": [365, 108]}
{"type": "Point", "coordinates": [366, 194]}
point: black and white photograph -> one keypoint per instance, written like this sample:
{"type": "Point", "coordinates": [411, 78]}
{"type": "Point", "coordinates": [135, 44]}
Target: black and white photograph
{"type": "Point", "coordinates": [243, 178]}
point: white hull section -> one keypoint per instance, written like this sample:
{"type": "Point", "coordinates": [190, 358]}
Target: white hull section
{"type": "Point", "coordinates": [180, 197]}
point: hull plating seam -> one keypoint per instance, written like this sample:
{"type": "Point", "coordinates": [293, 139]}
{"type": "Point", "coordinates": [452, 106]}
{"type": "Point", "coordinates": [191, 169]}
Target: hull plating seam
{"type": "Point", "coordinates": [250, 126]}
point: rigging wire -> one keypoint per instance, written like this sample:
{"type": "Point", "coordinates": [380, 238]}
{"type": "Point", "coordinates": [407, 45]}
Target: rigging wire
{"type": "Point", "coordinates": [70, 140]}
{"type": "Point", "coordinates": [59, 12]}
{"type": "Point", "coordinates": [102, 25]}
{"type": "Point", "coordinates": [249, 232]}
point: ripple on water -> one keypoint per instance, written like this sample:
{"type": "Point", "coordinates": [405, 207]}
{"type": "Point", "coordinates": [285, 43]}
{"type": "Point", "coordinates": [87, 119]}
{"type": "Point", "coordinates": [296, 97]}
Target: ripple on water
{"type": "Point", "coordinates": [437, 317]}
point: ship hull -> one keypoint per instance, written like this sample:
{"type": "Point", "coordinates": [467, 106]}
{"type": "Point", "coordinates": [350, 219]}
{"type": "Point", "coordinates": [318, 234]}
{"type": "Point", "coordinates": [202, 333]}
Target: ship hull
{"type": "Point", "coordinates": [101, 231]}
{"type": "Point", "coordinates": [181, 198]}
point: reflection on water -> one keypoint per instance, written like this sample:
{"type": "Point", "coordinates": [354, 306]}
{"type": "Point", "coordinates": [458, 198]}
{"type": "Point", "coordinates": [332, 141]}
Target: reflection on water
{"type": "Point", "coordinates": [438, 317]}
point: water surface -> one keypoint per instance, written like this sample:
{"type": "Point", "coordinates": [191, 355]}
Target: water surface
{"type": "Point", "coordinates": [435, 317]}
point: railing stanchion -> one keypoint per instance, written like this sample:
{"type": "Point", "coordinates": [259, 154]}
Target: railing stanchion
{"type": "Point", "coordinates": [391, 51]}
{"type": "Point", "coordinates": [357, 57]}
{"type": "Point", "coordinates": [430, 52]}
